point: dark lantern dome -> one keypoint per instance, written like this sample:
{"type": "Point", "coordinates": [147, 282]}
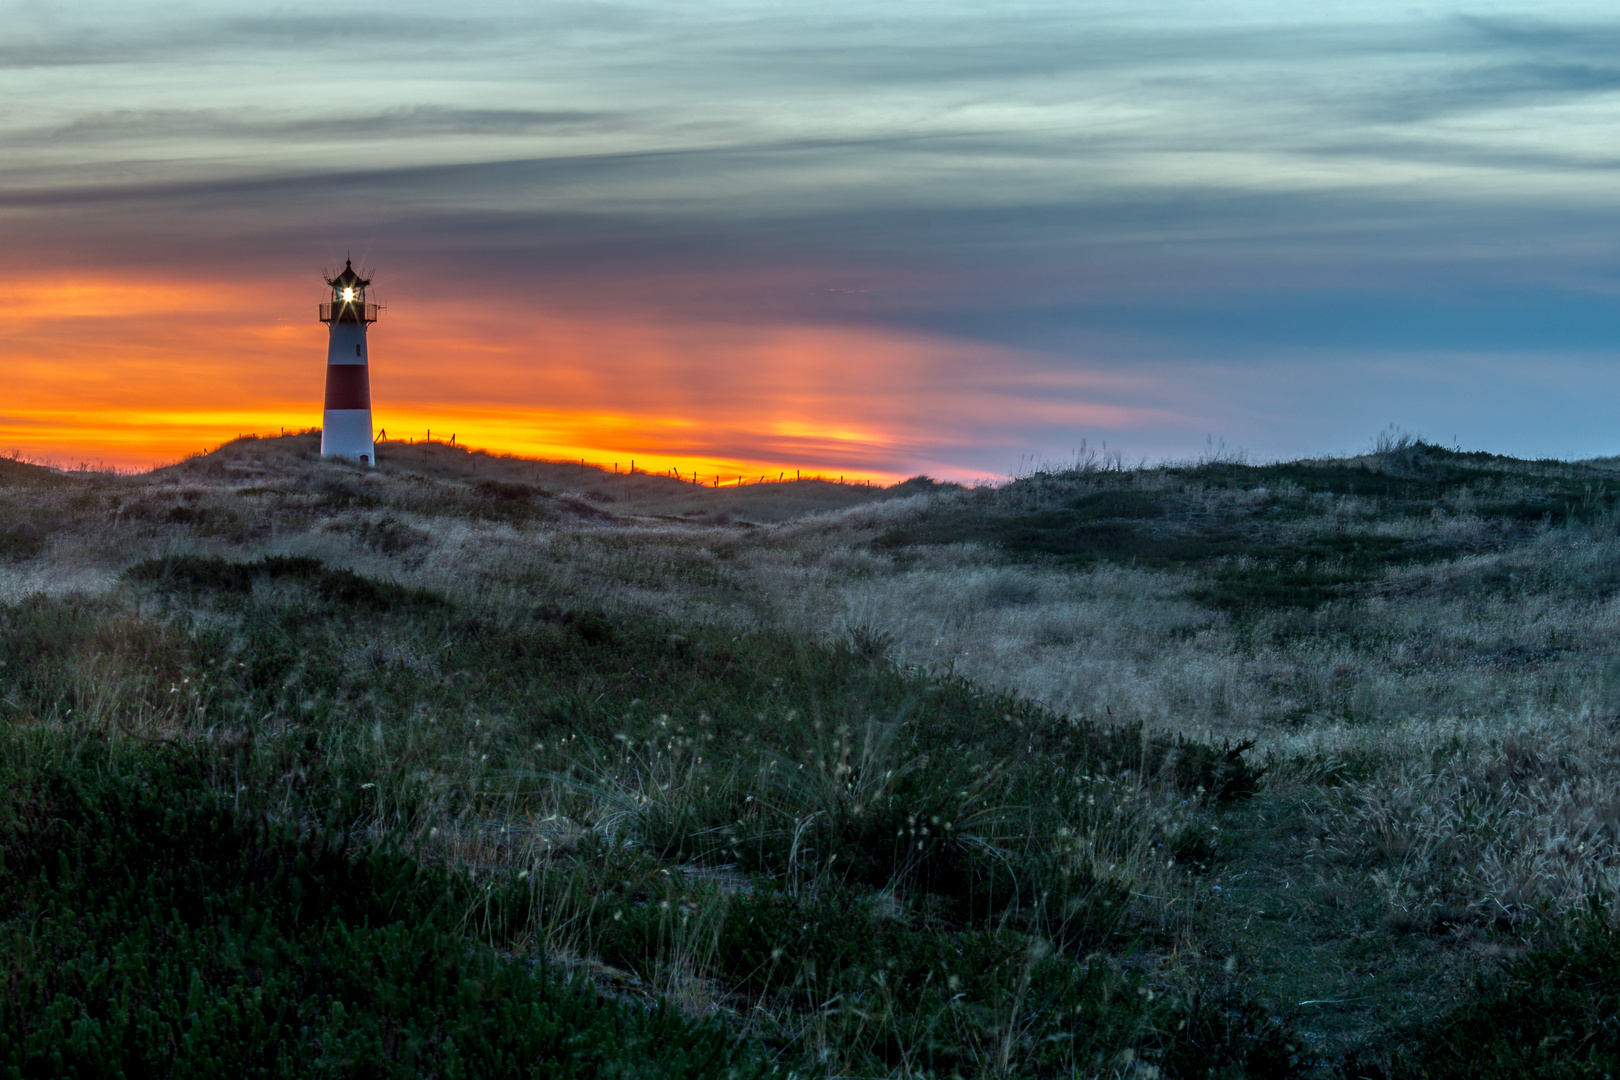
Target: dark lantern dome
{"type": "Point", "coordinates": [348, 303]}
{"type": "Point", "coordinates": [348, 279]}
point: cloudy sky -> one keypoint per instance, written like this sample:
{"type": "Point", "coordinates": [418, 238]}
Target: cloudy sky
{"type": "Point", "coordinates": [871, 239]}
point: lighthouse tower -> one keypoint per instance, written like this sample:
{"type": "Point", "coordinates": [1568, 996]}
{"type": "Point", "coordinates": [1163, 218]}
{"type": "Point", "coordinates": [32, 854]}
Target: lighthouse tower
{"type": "Point", "coordinates": [346, 428]}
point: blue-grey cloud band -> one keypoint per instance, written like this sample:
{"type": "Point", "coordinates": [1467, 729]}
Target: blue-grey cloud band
{"type": "Point", "coordinates": [1134, 187]}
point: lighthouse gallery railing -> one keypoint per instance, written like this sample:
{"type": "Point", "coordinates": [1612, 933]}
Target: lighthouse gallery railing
{"type": "Point", "coordinates": [346, 311]}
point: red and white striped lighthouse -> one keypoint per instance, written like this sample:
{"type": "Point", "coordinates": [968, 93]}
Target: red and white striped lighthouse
{"type": "Point", "coordinates": [346, 427]}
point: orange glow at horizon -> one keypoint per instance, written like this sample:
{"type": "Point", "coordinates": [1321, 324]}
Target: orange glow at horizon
{"type": "Point", "coordinates": [133, 373]}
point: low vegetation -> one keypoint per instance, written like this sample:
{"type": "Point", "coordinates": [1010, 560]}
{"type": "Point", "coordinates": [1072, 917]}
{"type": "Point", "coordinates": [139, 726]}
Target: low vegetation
{"type": "Point", "coordinates": [471, 765]}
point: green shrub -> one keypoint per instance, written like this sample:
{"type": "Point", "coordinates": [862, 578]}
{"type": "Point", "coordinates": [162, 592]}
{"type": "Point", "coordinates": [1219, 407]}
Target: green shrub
{"type": "Point", "coordinates": [504, 489]}
{"type": "Point", "coordinates": [389, 536]}
{"type": "Point", "coordinates": [151, 929]}
{"type": "Point", "coordinates": [14, 473]}
{"type": "Point", "coordinates": [338, 586]}
{"type": "Point", "coordinates": [21, 540]}
{"type": "Point", "coordinates": [885, 984]}
{"type": "Point", "coordinates": [38, 639]}
{"type": "Point", "coordinates": [1552, 1013]}
{"type": "Point", "coordinates": [1248, 559]}
{"type": "Point", "coordinates": [901, 831]}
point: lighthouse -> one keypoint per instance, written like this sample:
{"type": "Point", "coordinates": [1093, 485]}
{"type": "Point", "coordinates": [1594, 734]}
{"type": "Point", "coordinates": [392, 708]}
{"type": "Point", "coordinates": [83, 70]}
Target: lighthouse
{"type": "Point", "coordinates": [346, 427]}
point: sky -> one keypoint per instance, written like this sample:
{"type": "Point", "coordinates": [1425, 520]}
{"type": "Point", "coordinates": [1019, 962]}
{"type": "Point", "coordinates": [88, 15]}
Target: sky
{"type": "Point", "coordinates": [870, 240]}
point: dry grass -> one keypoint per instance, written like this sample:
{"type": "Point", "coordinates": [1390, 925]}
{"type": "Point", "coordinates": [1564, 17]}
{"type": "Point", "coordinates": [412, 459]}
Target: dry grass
{"type": "Point", "coordinates": [1429, 653]}
{"type": "Point", "coordinates": [1447, 735]}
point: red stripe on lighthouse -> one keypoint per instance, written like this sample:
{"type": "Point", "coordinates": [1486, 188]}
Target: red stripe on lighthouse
{"type": "Point", "coordinates": [348, 386]}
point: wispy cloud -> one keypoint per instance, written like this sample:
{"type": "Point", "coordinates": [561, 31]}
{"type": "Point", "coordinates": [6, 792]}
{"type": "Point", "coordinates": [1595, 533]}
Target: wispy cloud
{"type": "Point", "coordinates": [45, 35]}
{"type": "Point", "coordinates": [258, 123]}
{"type": "Point", "coordinates": [1077, 192]}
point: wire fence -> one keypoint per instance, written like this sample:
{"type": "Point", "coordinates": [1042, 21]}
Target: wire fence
{"type": "Point", "coordinates": [695, 477]}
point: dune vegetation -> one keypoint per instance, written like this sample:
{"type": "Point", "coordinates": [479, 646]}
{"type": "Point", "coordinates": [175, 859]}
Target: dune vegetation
{"type": "Point", "coordinates": [472, 765]}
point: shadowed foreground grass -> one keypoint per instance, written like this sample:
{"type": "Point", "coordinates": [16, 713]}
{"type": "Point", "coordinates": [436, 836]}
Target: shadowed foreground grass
{"type": "Point", "coordinates": [155, 927]}
{"type": "Point", "coordinates": [866, 869]}
{"type": "Point", "coordinates": [476, 764]}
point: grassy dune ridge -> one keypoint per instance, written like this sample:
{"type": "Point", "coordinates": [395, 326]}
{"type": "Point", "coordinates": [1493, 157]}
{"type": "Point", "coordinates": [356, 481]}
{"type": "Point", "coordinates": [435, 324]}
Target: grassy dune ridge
{"type": "Point", "coordinates": [1215, 769]}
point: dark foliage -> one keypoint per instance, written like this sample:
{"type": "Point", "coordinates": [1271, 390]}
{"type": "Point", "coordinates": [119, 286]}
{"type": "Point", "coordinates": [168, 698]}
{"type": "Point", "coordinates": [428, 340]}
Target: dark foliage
{"type": "Point", "coordinates": [922, 485]}
{"type": "Point", "coordinates": [505, 489]}
{"type": "Point", "coordinates": [390, 536]}
{"type": "Point", "coordinates": [953, 869]}
{"type": "Point", "coordinates": [1553, 1013]}
{"type": "Point", "coordinates": [340, 586]}
{"type": "Point", "coordinates": [504, 500]}
{"type": "Point", "coordinates": [14, 473]}
{"type": "Point", "coordinates": [937, 989]}
{"type": "Point", "coordinates": [21, 540]}
{"type": "Point", "coordinates": [154, 930]}
{"type": "Point", "coordinates": [1247, 558]}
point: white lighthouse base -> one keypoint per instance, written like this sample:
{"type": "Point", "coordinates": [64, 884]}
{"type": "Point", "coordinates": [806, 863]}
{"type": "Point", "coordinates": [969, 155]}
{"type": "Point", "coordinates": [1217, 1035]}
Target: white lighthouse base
{"type": "Point", "coordinates": [346, 433]}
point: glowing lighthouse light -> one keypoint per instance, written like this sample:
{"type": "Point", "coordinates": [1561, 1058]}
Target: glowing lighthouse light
{"type": "Point", "coordinates": [346, 427]}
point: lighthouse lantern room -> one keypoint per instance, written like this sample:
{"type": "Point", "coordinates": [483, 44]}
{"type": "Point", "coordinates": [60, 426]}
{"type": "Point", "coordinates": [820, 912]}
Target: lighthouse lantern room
{"type": "Point", "coordinates": [346, 427]}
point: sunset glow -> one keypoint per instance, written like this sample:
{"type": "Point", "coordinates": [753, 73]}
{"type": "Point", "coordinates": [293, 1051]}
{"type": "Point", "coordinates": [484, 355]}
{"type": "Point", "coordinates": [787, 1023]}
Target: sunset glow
{"type": "Point", "coordinates": [744, 238]}
{"type": "Point", "coordinates": [131, 374]}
